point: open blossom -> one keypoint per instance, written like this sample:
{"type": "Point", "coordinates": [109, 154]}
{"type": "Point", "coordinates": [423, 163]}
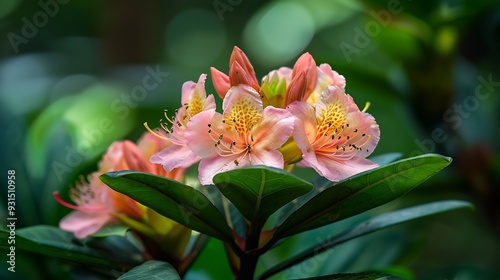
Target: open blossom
{"type": "Point", "coordinates": [194, 100]}
{"type": "Point", "coordinates": [97, 205]}
{"type": "Point", "coordinates": [334, 135]}
{"type": "Point", "coordinates": [321, 126]}
{"type": "Point", "coordinates": [95, 202]}
{"type": "Point", "coordinates": [245, 134]}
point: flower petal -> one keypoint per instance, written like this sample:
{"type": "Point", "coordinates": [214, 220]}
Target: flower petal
{"type": "Point", "coordinates": [238, 75]}
{"type": "Point", "coordinates": [175, 156]}
{"type": "Point", "coordinates": [297, 88]}
{"type": "Point", "coordinates": [240, 57]}
{"type": "Point", "coordinates": [272, 158]}
{"type": "Point", "coordinates": [133, 159]}
{"type": "Point", "coordinates": [274, 129]}
{"type": "Point", "coordinates": [306, 64]}
{"type": "Point", "coordinates": [197, 135]}
{"type": "Point", "coordinates": [304, 131]}
{"type": "Point", "coordinates": [220, 81]}
{"type": "Point", "coordinates": [326, 77]}
{"type": "Point", "coordinates": [210, 166]}
{"type": "Point", "coordinates": [335, 78]}
{"type": "Point", "coordinates": [334, 170]}
{"type": "Point", "coordinates": [368, 133]}
{"type": "Point", "coordinates": [84, 224]}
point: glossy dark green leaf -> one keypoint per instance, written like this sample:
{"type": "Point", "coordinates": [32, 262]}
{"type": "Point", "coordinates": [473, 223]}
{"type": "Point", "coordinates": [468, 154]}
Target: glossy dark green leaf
{"type": "Point", "coordinates": [151, 270]}
{"type": "Point", "coordinates": [259, 191]}
{"type": "Point", "coordinates": [371, 225]}
{"type": "Point", "coordinates": [171, 199]}
{"type": "Point", "coordinates": [320, 183]}
{"type": "Point", "coordinates": [51, 241]}
{"type": "Point", "coordinates": [362, 192]}
{"type": "Point", "coordinates": [233, 216]}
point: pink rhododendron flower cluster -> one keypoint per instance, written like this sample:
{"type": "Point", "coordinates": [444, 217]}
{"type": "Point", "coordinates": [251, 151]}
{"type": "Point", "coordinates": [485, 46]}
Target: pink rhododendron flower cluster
{"type": "Point", "coordinates": [97, 205]}
{"type": "Point", "coordinates": [298, 115]}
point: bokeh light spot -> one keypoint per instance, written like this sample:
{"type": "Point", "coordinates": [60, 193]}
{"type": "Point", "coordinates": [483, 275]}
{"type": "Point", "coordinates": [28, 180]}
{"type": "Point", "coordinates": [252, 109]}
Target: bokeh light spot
{"type": "Point", "coordinates": [279, 32]}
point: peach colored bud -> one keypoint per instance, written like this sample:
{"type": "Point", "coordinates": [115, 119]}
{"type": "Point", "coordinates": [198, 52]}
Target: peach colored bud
{"type": "Point", "coordinates": [239, 56]}
{"type": "Point", "coordinates": [306, 64]}
{"type": "Point", "coordinates": [220, 81]}
{"type": "Point", "coordinates": [297, 88]}
{"type": "Point", "coordinates": [238, 75]}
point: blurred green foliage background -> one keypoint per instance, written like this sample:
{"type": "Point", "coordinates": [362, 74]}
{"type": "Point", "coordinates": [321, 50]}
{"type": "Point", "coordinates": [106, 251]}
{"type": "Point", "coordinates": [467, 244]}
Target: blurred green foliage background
{"type": "Point", "coordinates": [74, 78]}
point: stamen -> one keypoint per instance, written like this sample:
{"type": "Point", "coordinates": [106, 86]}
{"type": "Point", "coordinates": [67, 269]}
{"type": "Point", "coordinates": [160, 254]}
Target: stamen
{"type": "Point", "coordinates": [367, 105]}
{"type": "Point", "coordinates": [87, 208]}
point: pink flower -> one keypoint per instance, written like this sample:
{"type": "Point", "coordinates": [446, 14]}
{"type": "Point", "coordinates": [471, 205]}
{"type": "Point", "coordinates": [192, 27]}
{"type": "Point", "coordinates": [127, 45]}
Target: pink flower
{"type": "Point", "coordinates": [177, 154]}
{"type": "Point", "coordinates": [334, 135]}
{"type": "Point", "coordinates": [149, 144]}
{"type": "Point", "coordinates": [98, 205]}
{"type": "Point", "coordinates": [245, 134]}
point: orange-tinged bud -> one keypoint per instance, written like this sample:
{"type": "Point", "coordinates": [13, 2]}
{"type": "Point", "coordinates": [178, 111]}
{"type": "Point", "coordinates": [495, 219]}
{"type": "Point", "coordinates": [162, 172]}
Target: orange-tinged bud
{"type": "Point", "coordinates": [220, 81]}
{"type": "Point", "coordinates": [238, 75]}
{"type": "Point", "coordinates": [297, 88]}
{"type": "Point", "coordinates": [239, 56]}
{"type": "Point", "coordinates": [306, 64]}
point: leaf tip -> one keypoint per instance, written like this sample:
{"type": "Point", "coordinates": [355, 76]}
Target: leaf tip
{"type": "Point", "coordinates": [112, 174]}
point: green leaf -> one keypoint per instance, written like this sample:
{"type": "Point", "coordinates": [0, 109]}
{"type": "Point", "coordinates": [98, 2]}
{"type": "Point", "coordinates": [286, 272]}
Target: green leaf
{"type": "Point", "coordinates": [259, 191]}
{"type": "Point", "coordinates": [119, 230]}
{"type": "Point", "coordinates": [51, 241]}
{"type": "Point", "coordinates": [171, 199]}
{"type": "Point", "coordinates": [371, 225]}
{"type": "Point", "coordinates": [361, 192]}
{"type": "Point", "coordinates": [152, 270]}
{"type": "Point", "coordinates": [356, 276]}
{"type": "Point", "coordinates": [319, 185]}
